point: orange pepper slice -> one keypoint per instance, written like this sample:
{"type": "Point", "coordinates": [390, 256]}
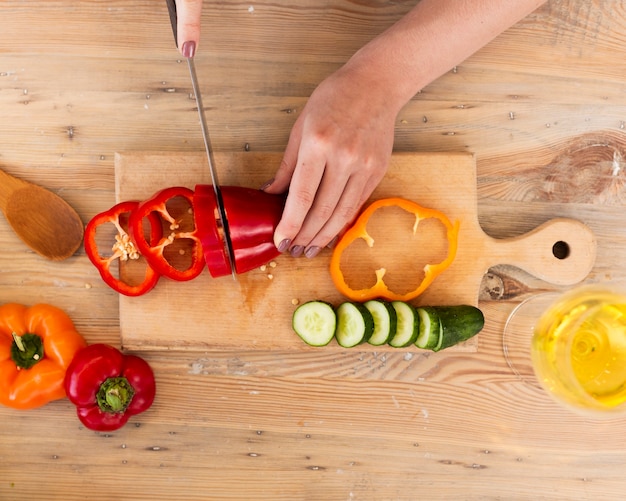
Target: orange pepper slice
{"type": "Point", "coordinates": [359, 231]}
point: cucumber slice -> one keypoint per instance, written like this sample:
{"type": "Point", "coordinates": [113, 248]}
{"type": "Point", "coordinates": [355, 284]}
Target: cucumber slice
{"type": "Point", "coordinates": [407, 325]}
{"type": "Point", "coordinates": [385, 320]}
{"type": "Point", "coordinates": [315, 322]}
{"type": "Point", "coordinates": [430, 329]}
{"type": "Point", "coordinates": [355, 324]}
{"type": "Point", "coordinates": [458, 324]}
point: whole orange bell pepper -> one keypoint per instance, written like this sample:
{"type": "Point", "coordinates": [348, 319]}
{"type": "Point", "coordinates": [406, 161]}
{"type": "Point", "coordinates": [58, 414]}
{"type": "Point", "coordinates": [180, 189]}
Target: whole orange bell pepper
{"type": "Point", "coordinates": [359, 231]}
{"type": "Point", "coordinates": [37, 344]}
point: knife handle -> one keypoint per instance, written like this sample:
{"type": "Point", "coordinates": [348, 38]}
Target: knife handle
{"type": "Point", "coordinates": [171, 8]}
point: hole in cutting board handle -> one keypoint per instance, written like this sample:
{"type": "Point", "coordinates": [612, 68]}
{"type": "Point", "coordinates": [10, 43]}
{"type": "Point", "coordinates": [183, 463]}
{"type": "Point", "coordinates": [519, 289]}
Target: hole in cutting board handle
{"type": "Point", "coordinates": [561, 250]}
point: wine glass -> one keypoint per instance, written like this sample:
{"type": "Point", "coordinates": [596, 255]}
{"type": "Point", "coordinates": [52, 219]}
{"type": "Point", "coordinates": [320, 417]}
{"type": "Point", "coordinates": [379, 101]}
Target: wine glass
{"type": "Point", "coordinates": [573, 345]}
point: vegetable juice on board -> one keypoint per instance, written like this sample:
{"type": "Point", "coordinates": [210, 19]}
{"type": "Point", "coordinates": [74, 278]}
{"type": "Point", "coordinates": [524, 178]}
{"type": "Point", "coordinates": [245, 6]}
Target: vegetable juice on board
{"type": "Point", "coordinates": [579, 349]}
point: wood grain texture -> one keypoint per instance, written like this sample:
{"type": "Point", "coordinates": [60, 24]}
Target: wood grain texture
{"type": "Point", "coordinates": [258, 306]}
{"type": "Point", "coordinates": [542, 109]}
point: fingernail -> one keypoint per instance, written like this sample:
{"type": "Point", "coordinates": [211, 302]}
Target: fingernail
{"type": "Point", "coordinates": [332, 243]}
{"type": "Point", "coordinates": [284, 245]}
{"type": "Point", "coordinates": [189, 49]}
{"type": "Point", "coordinates": [267, 184]}
{"type": "Point", "coordinates": [312, 251]}
{"type": "Point", "coordinates": [296, 250]}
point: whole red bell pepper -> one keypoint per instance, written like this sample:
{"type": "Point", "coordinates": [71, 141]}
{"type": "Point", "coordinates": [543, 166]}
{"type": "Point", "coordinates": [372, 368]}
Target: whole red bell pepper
{"type": "Point", "coordinates": [122, 249]}
{"type": "Point", "coordinates": [174, 207]}
{"type": "Point", "coordinates": [108, 387]}
{"type": "Point", "coordinates": [252, 216]}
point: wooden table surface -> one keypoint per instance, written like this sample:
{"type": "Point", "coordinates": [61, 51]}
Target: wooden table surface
{"type": "Point", "coordinates": [543, 108]}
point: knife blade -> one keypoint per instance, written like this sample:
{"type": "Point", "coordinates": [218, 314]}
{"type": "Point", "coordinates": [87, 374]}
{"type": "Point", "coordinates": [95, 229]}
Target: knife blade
{"type": "Point", "coordinates": [221, 219]}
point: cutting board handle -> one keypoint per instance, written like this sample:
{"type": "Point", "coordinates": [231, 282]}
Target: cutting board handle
{"type": "Point", "coordinates": [561, 251]}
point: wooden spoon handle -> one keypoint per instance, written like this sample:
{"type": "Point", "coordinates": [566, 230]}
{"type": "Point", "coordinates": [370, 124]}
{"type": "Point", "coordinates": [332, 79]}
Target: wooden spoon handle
{"type": "Point", "coordinates": [561, 251]}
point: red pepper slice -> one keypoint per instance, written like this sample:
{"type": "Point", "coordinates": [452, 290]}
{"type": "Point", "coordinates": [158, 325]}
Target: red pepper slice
{"type": "Point", "coordinates": [252, 217]}
{"type": "Point", "coordinates": [123, 249]}
{"type": "Point", "coordinates": [108, 387]}
{"type": "Point", "coordinates": [176, 218]}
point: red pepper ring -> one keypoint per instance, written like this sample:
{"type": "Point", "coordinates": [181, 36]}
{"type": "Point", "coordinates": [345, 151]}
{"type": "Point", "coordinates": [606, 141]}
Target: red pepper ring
{"type": "Point", "coordinates": [108, 387]}
{"type": "Point", "coordinates": [252, 219]}
{"type": "Point", "coordinates": [157, 205]}
{"type": "Point", "coordinates": [123, 248]}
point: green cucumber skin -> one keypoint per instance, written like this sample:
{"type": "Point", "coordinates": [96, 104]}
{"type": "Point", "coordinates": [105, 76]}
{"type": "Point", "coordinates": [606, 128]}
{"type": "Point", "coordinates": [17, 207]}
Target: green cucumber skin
{"type": "Point", "coordinates": [459, 323]}
{"type": "Point", "coordinates": [411, 340]}
{"type": "Point", "coordinates": [393, 320]}
{"type": "Point", "coordinates": [367, 319]}
{"type": "Point", "coordinates": [435, 330]}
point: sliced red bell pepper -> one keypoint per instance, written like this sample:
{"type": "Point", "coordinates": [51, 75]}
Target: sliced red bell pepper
{"type": "Point", "coordinates": [108, 387]}
{"type": "Point", "coordinates": [163, 204]}
{"type": "Point", "coordinates": [252, 216]}
{"type": "Point", "coordinates": [123, 249]}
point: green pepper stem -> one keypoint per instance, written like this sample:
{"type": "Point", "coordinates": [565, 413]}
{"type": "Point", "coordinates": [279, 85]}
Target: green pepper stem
{"type": "Point", "coordinates": [26, 350]}
{"type": "Point", "coordinates": [115, 395]}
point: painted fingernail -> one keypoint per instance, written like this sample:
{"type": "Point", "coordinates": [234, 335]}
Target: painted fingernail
{"type": "Point", "coordinates": [284, 245]}
{"type": "Point", "coordinates": [296, 250]}
{"type": "Point", "coordinates": [267, 184]}
{"type": "Point", "coordinates": [312, 251]}
{"type": "Point", "coordinates": [332, 243]}
{"type": "Point", "coordinates": [189, 49]}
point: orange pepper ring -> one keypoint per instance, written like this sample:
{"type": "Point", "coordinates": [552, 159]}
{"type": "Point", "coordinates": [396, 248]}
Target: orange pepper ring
{"type": "Point", "coordinates": [359, 230]}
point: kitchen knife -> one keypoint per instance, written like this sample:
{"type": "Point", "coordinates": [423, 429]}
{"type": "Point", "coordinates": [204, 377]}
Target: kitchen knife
{"type": "Point", "coordinates": [221, 219]}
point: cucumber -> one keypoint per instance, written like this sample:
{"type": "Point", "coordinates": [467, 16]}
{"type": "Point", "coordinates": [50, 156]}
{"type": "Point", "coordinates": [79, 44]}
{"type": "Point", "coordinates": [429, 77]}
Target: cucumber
{"type": "Point", "coordinates": [355, 324]}
{"type": "Point", "coordinates": [430, 329]}
{"type": "Point", "coordinates": [315, 322]}
{"type": "Point", "coordinates": [458, 324]}
{"type": "Point", "coordinates": [407, 325]}
{"type": "Point", "coordinates": [385, 320]}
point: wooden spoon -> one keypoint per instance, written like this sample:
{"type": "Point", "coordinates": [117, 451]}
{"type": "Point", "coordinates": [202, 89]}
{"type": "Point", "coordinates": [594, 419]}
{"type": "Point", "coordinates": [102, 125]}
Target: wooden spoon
{"type": "Point", "coordinates": [43, 220]}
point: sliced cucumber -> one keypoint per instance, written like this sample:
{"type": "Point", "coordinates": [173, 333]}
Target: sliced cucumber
{"type": "Point", "coordinates": [458, 323]}
{"type": "Point", "coordinates": [407, 325]}
{"type": "Point", "coordinates": [355, 324]}
{"type": "Point", "coordinates": [430, 329]}
{"type": "Point", "coordinates": [315, 322]}
{"type": "Point", "coordinates": [385, 320]}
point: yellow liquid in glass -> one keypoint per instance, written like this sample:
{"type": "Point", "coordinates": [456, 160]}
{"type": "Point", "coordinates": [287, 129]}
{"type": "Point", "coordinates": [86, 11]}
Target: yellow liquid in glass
{"type": "Point", "coordinates": [579, 350]}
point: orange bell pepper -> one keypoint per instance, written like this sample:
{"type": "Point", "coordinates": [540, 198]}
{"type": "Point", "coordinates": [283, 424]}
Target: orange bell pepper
{"type": "Point", "coordinates": [37, 345]}
{"type": "Point", "coordinates": [359, 231]}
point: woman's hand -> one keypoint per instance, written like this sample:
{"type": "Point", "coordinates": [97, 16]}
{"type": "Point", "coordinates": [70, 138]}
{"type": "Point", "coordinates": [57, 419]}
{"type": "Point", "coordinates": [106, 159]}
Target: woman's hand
{"type": "Point", "coordinates": [341, 143]}
{"type": "Point", "coordinates": [338, 152]}
{"type": "Point", "coordinates": [189, 13]}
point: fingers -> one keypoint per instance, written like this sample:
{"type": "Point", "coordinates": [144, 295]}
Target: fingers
{"type": "Point", "coordinates": [307, 177]}
{"type": "Point", "coordinates": [322, 201]}
{"type": "Point", "coordinates": [336, 210]}
{"type": "Point", "coordinates": [189, 14]}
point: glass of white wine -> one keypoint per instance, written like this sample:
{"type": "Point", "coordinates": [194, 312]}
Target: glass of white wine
{"type": "Point", "coordinates": [573, 345]}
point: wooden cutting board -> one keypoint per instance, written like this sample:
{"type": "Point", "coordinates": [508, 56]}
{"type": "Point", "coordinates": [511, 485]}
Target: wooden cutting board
{"type": "Point", "coordinates": [254, 312]}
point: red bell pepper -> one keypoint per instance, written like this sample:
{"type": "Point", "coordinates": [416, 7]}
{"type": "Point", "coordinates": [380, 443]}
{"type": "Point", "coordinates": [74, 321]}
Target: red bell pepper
{"type": "Point", "coordinates": [123, 249]}
{"type": "Point", "coordinates": [108, 387]}
{"type": "Point", "coordinates": [174, 206]}
{"type": "Point", "coordinates": [252, 216]}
